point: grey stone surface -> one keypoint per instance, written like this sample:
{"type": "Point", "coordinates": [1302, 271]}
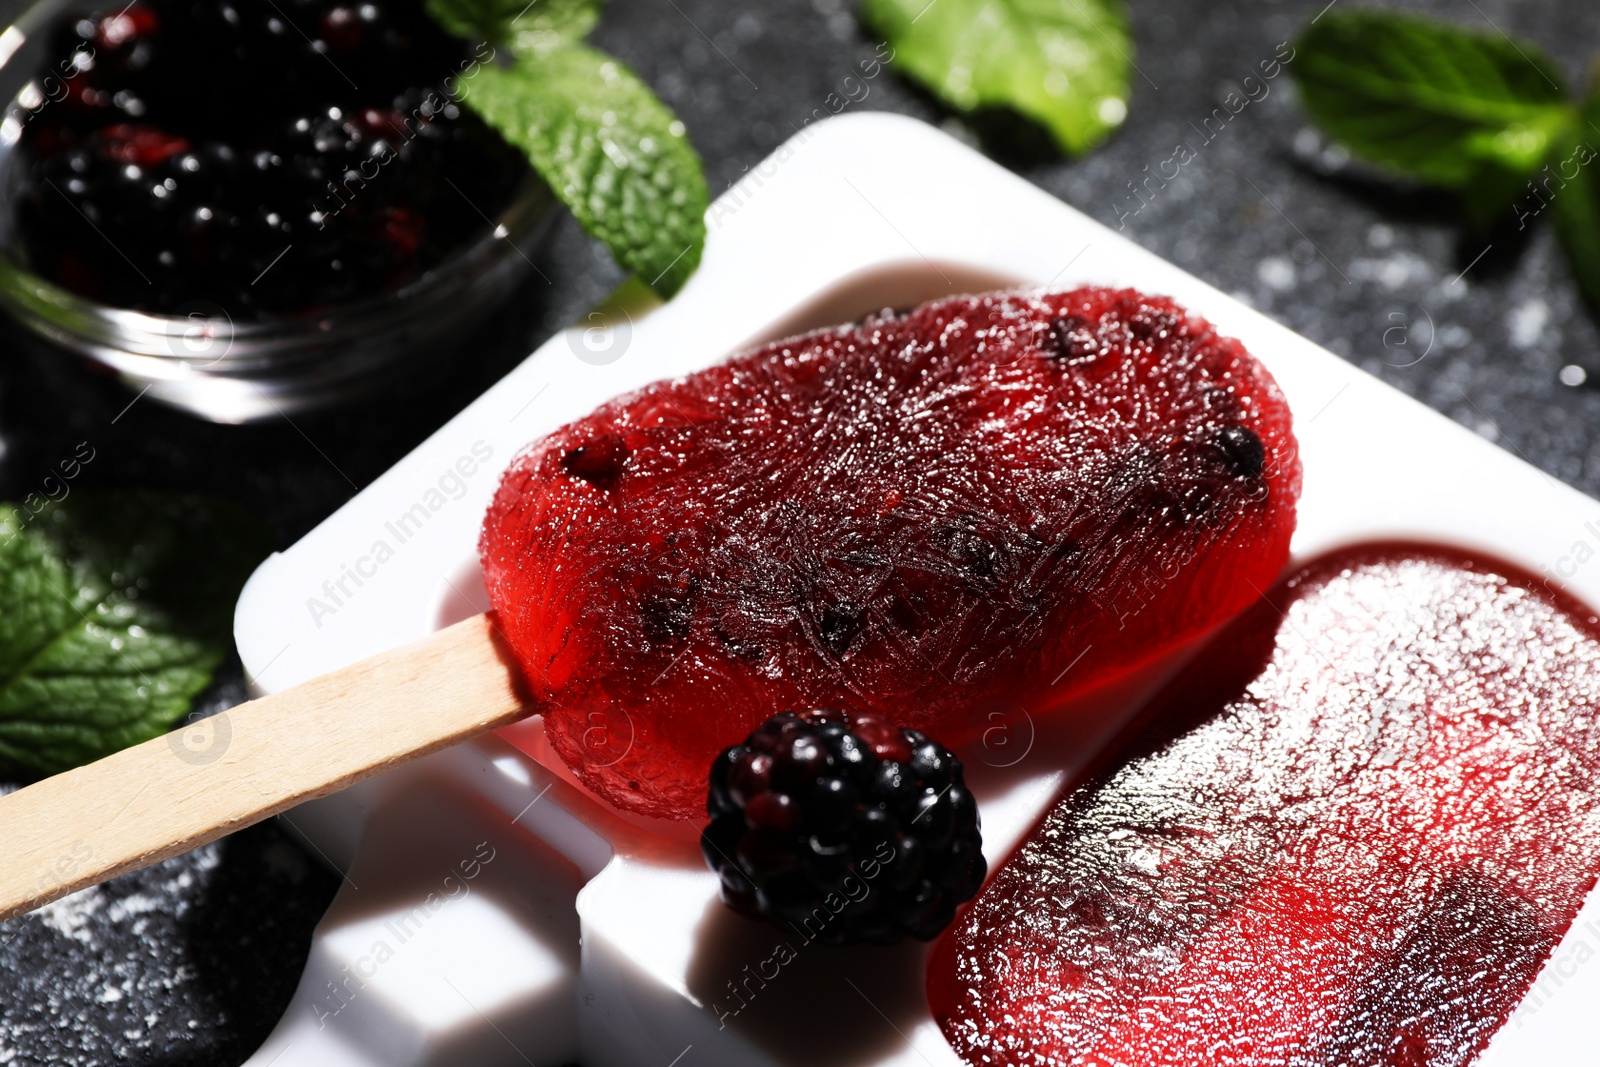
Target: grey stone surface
{"type": "Point", "coordinates": [190, 963]}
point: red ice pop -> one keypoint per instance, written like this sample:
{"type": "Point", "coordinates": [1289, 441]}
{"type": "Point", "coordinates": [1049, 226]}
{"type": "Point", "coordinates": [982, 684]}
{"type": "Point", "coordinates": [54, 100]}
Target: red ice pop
{"type": "Point", "coordinates": [912, 516]}
{"type": "Point", "coordinates": [1348, 835]}
{"type": "Point", "coordinates": [1014, 496]}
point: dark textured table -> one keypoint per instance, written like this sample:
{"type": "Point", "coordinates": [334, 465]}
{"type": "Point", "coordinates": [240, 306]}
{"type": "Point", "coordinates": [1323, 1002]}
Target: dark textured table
{"type": "Point", "coordinates": [191, 962]}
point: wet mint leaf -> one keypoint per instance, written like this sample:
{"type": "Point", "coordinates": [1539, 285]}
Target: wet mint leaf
{"type": "Point", "coordinates": [115, 610]}
{"type": "Point", "coordinates": [611, 151]}
{"type": "Point", "coordinates": [516, 23]}
{"type": "Point", "coordinates": [1063, 63]}
{"type": "Point", "coordinates": [1431, 101]}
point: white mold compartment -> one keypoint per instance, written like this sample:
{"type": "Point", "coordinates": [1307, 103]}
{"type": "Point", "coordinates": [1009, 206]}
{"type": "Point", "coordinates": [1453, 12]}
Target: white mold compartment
{"type": "Point", "coordinates": [616, 918]}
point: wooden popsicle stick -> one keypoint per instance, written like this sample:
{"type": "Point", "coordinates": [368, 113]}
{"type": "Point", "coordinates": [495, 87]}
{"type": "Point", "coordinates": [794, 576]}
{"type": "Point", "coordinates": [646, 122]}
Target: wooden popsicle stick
{"type": "Point", "coordinates": [155, 800]}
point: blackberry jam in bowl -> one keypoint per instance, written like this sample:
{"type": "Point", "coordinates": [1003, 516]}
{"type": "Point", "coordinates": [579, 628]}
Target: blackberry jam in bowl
{"type": "Point", "coordinates": [253, 207]}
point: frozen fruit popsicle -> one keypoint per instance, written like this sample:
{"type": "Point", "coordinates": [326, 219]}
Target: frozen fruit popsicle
{"type": "Point", "coordinates": [909, 516]}
{"type": "Point", "coordinates": [1017, 495]}
{"type": "Point", "coordinates": [1348, 835]}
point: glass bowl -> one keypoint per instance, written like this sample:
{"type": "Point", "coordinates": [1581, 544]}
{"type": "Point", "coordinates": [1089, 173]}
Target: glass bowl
{"type": "Point", "coordinates": [202, 361]}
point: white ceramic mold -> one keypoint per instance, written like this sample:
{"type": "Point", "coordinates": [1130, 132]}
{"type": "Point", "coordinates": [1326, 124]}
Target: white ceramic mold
{"type": "Point", "coordinates": [494, 913]}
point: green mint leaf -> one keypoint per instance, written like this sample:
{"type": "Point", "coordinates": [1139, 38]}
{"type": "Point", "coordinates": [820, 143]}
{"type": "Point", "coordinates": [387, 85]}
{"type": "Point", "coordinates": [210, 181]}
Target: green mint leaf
{"type": "Point", "coordinates": [1573, 195]}
{"type": "Point", "coordinates": [610, 149]}
{"type": "Point", "coordinates": [517, 23]}
{"type": "Point", "coordinates": [1427, 100]}
{"type": "Point", "coordinates": [1062, 63]}
{"type": "Point", "coordinates": [547, 24]}
{"type": "Point", "coordinates": [117, 609]}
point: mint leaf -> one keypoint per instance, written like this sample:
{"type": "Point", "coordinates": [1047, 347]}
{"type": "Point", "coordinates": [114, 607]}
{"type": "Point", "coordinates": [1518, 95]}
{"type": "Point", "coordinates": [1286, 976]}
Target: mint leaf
{"type": "Point", "coordinates": [1063, 63]}
{"type": "Point", "coordinates": [1433, 102]}
{"type": "Point", "coordinates": [1574, 198]}
{"type": "Point", "coordinates": [115, 610]}
{"type": "Point", "coordinates": [545, 24]}
{"type": "Point", "coordinates": [613, 153]}
{"type": "Point", "coordinates": [608, 147]}
{"type": "Point", "coordinates": [517, 23]}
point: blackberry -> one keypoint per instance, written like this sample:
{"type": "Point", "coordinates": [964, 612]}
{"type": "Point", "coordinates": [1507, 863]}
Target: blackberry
{"type": "Point", "coordinates": [1242, 449]}
{"type": "Point", "coordinates": [353, 177]}
{"type": "Point", "coordinates": [846, 829]}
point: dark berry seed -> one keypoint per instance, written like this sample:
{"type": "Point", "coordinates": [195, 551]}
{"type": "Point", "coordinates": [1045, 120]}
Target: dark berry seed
{"type": "Point", "coordinates": [664, 616]}
{"type": "Point", "coordinates": [839, 626]}
{"type": "Point", "coordinates": [599, 462]}
{"type": "Point", "coordinates": [1150, 323]}
{"type": "Point", "coordinates": [739, 644]}
{"type": "Point", "coordinates": [1072, 340]}
{"type": "Point", "coordinates": [1242, 450]}
{"type": "Point", "coordinates": [802, 827]}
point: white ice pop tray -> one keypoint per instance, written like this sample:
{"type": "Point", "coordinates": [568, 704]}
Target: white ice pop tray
{"type": "Point", "coordinates": [494, 913]}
